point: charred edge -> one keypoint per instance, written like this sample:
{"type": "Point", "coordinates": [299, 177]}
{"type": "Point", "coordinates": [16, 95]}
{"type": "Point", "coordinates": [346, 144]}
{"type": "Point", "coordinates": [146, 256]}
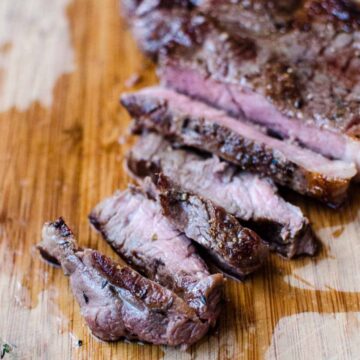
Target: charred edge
{"type": "Point", "coordinates": [126, 278]}
{"type": "Point", "coordinates": [141, 168]}
{"type": "Point", "coordinates": [161, 181]}
{"type": "Point", "coordinates": [129, 102]}
{"type": "Point", "coordinates": [60, 225]}
{"type": "Point", "coordinates": [213, 262]}
{"type": "Point", "coordinates": [93, 219]}
{"type": "Point", "coordinates": [86, 298]}
{"type": "Point", "coordinates": [48, 258]}
{"type": "Point", "coordinates": [118, 275]}
{"type": "Point", "coordinates": [105, 264]}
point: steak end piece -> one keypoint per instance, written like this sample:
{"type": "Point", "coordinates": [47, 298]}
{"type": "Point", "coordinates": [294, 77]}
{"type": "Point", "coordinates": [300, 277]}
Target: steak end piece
{"type": "Point", "coordinates": [236, 250]}
{"type": "Point", "coordinates": [253, 200]}
{"type": "Point", "coordinates": [133, 224]}
{"type": "Point", "coordinates": [192, 123]}
{"type": "Point", "coordinates": [116, 301]}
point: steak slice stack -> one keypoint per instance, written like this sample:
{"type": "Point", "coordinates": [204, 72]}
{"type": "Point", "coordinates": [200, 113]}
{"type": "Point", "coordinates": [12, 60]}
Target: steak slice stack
{"type": "Point", "coordinates": [246, 196]}
{"type": "Point", "coordinates": [117, 302]}
{"type": "Point", "coordinates": [133, 224]}
{"type": "Point", "coordinates": [290, 66]}
{"type": "Point", "coordinates": [234, 249]}
{"type": "Point", "coordinates": [195, 124]}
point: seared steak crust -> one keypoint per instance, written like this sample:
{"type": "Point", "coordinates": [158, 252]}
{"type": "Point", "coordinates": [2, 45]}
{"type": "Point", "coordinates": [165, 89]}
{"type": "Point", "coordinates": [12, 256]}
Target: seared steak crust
{"type": "Point", "coordinates": [117, 302]}
{"type": "Point", "coordinates": [214, 132]}
{"type": "Point", "coordinates": [236, 250]}
{"type": "Point", "coordinates": [133, 224]}
{"type": "Point", "coordinates": [305, 88]}
{"type": "Point", "coordinates": [244, 195]}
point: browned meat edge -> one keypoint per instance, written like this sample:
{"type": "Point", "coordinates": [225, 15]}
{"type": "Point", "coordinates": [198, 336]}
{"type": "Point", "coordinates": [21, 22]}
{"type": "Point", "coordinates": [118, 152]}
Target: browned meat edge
{"type": "Point", "coordinates": [236, 250]}
{"type": "Point", "coordinates": [154, 114]}
{"type": "Point", "coordinates": [117, 302]}
{"type": "Point", "coordinates": [253, 200]}
{"type": "Point", "coordinates": [133, 224]}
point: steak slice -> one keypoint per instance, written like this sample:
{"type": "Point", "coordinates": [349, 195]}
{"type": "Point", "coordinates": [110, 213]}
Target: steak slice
{"type": "Point", "coordinates": [117, 302]}
{"type": "Point", "coordinates": [302, 85]}
{"type": "Point", "coordinates": [246, 196]}
{"type": "Point", "coordinates": [133, 224]}
{"type": "Point", "coordinates": [288, 65]}
{"type": "Point", "coordinates": [195, 124]}
{"type": "Point", "coordinates": [234, 249]}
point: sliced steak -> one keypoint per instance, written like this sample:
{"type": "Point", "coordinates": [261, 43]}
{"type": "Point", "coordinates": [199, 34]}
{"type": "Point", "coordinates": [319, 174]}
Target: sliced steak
{"type": "Point", "coordinates": [291, 66]}
{"type": "Point", "coordinates": [133, 224]}
{"type": "Point", "coordinates": [117, 302]}
{"type": "Point", "coordinates": [234, 249]}
{"type": "Point", "coordinates": [195, 124]}
{"type": "Point", "coordinates": [302, 85]}
{"type": "Point", "coordinates": [246, 196]}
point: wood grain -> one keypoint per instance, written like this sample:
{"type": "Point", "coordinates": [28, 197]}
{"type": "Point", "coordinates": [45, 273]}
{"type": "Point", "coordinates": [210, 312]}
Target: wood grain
{"type": "Point", "coordinates": [60, 154]}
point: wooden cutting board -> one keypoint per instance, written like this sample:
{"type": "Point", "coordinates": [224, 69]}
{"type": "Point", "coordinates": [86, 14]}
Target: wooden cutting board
{"type": "Point", "coordinates": [63, 137]}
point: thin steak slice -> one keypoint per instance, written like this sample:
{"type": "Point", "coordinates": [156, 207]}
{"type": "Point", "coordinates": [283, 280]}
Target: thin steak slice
{"type": "Point", "coordinates": [116, 301]}
{"type": "Point", "coordinates": [234, 249]}
{"type": "Point", "coordinates": [246, 196]}
{"type": "Point", "coordinates": [291, 66]}
{"type": "Point", "coordinates": [195, 124]}
{"type": "Point", "coordinates": [133, 224]}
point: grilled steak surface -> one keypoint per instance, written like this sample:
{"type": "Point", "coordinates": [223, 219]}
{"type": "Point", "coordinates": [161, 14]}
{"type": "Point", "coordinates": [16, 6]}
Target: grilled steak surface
{"type": "Point", "coordinates": [195, 124]}
{"type": "Point", "coordinates": [117, 302]}
{"type": "Point", "coordinates": [236, 250]}
{"type": "Point", "coordinates": [290, 66]}
{"type": "Point", "coordinates": [133, 224]}
{"type": "Point", "coordinates": [244, 195]}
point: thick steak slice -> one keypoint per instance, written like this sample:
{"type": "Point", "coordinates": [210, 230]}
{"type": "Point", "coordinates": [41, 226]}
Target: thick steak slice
{"type": "Point", "coordinates": [291, 66]}
{"type": "Point", "coordinates": [246, 196]}
{"type": "Point", "coordinates": [195, 124]}
{"type": "Point", "coordinates": [234, 249]}
{"type": "Point", "coordinates": [301, 85]}
{"type": "Point", "coordinates": [133, 224]}
{"type": "Point", "coordinates": [117, 302]}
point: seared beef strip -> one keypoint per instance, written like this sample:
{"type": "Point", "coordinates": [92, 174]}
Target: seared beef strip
{"type": "Point", "coordinates": [195, 124]}
{"type": "Point", "coordinates": [246, 196]}
{"type": "Point", "coordinates": [133, 224]}
{"type": "Point", "coordinates": [117, 302]}
{"type": "Point", "coordinates": [288, 65]}
{"type": "Point", "coordinates": [234, 249]}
